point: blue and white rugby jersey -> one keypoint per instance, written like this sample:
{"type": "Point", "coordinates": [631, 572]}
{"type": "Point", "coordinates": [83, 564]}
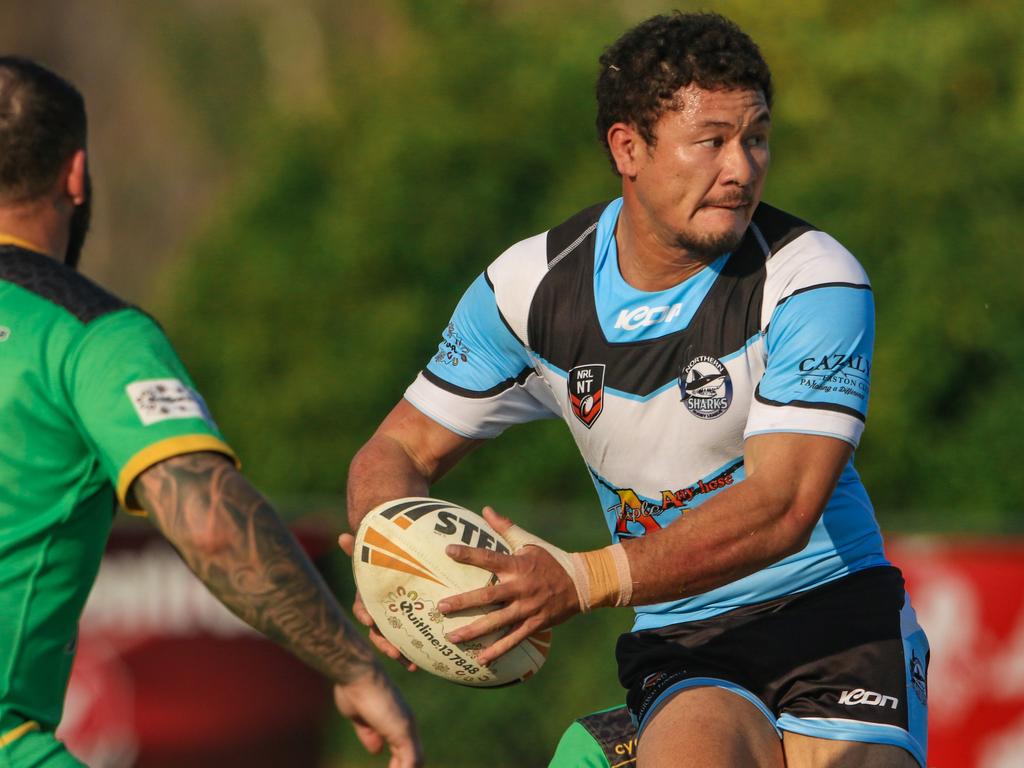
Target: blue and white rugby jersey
{"type": "Point", "coordinates": [660, 389]}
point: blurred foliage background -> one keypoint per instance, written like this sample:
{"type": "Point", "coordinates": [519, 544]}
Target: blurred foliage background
{"type": "Point", "coordinates": [300, 192]}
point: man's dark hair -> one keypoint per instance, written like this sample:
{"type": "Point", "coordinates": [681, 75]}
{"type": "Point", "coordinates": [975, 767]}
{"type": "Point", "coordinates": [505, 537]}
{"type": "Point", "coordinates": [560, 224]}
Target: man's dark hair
{"type": "Point", "coordinates": [42, 124]}
{"type": "Point", "coordinates": [642, 70]}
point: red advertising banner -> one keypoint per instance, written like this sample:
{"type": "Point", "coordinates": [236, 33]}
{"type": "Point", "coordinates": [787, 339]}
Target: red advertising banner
{"type": "Point", "coordinates": [165, 676]}
{"type": "Point", "coordinates": [969, 597]}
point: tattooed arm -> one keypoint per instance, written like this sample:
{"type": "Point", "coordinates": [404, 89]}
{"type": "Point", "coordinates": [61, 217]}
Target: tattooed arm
{"type": "Point", "coordinates": [234, 541]}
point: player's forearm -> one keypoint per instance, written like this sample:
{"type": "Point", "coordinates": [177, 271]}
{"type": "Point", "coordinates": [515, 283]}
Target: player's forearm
{"type": "Point", "coordinates": [383, 470]}
{"type": "Point", "coordinates": [406, 455]}
{"type": "Point", "coordinates": [234, 541]}
{"type": "Point", "coordinates": [745, 528]}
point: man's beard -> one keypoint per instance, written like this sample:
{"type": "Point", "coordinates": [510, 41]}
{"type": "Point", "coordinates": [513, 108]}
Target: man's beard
{"type": "Point", "coordinates": [707, 248]}
{"type": "Point", "coordinates": [79, 226]}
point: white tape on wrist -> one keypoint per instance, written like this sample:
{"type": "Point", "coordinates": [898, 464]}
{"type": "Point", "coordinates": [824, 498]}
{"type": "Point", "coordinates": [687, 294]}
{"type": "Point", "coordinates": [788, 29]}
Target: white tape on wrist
{"type": "Point", "coordinates": [601, 577]}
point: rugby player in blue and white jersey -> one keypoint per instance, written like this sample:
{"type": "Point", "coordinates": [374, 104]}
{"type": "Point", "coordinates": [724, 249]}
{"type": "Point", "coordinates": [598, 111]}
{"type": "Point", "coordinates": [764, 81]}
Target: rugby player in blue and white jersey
{"type": "Point", "coordinates": [711, 356]}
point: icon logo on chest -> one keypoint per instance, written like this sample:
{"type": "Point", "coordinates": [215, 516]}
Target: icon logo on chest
{"type": "Point", "coordinates": [706, 387]}
{"type": "Point", "coordinates": [586, 392]}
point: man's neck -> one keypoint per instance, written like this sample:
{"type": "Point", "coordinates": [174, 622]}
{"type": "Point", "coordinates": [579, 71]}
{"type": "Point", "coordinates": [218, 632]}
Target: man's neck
{"type": "Point", "coordinates": [647, 262]}
{"type": "Point", "coordinates": [36, 226]}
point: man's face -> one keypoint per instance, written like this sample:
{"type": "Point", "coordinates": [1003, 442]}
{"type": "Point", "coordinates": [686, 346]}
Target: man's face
{"type": "Point", "coordinates": [698, 185]}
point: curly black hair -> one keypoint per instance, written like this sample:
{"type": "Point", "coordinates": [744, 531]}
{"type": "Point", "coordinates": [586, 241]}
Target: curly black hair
{"type": "Point", "coordinates": [642, 70]}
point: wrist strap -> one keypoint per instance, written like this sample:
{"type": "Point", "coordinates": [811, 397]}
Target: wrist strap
{"type": "Point", "coordinates": [608, 577]}
{"type": "Point", "coordinates": [601, 577]}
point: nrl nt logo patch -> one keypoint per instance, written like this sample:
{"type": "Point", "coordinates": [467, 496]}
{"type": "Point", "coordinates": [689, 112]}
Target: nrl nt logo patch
{"type": "Point", "coordinates": [586, 392]}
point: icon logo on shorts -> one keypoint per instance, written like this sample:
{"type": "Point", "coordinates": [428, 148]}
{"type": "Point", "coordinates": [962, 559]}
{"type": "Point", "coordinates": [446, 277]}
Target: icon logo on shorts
{"type": "Point", "coordinates": [706, 387]}
{"type": "Point", "coordinates": [586, 392]}
{"type": "Point", "coordinates": [870, 698]}
{"type": "Point", "coordinates": [5, 333]}
{"type": "Point", "coordinates": [918, 678]}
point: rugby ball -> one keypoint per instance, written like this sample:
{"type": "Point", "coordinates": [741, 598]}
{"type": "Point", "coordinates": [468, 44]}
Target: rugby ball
{"type": "Point", "coordinates": [402, 573]}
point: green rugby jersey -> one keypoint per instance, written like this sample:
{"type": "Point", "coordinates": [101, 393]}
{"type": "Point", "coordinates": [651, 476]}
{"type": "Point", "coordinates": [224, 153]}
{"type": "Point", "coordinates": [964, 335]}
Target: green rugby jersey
{"type": "Point", "coordinates": [91, 395]}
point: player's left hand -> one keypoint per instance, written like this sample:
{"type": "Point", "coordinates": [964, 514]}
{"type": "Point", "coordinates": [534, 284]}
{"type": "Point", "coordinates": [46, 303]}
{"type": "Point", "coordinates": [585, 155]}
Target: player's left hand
{"type": "Point", "coordinates": [380, 717]}
{"type": "Point", "coordinates": [534, 591]}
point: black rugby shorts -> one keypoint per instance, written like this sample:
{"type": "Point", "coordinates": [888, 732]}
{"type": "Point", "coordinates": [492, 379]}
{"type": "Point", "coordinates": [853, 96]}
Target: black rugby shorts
{"type": "Point", "coordinates": [846, 660]}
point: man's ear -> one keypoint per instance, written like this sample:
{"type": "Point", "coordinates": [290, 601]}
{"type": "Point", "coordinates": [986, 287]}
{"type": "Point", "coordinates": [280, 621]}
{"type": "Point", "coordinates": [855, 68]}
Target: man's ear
{"type": "Point", "coordinates": [75, 184]}
{"type": "Point", "coordinates": [626, 144]}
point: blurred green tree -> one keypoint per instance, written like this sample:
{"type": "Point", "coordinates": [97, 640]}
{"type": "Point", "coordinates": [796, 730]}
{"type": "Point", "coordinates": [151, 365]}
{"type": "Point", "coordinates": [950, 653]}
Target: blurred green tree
{"type": "Point", "coordinates": [321, 287]}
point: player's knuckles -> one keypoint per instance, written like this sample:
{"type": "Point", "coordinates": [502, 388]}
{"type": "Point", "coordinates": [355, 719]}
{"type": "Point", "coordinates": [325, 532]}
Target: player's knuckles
{"type": "Point", "coordinates": [480, 627]}
{"type": "Point", "coordinates": [457, 552]}
{"type": "Point", "coordinates": [362, 616]}
{"type": "Point", "coordinates": [495, 594]}
{"type": "Point", "coordinates": [465, 634]}
{"type": "Point", "coordinates": [469, 555]}
{"type": "Point", "coordinates": [384, 646]}
{"type": "Point", "coordinates": [500, 619]}
{"type": "Point", "coordinates": [502, 647]}
{"type": "Point", "coordinates": [360, 612]}
{"type": "Point", "coordinates": [511, 640]}
{"type": "Point", "coordinates": [478, 597]}
{"type": "Point", "coordinates": [459, 602]}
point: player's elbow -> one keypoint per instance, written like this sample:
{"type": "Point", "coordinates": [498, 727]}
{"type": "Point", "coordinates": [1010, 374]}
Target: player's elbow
{"type": "Point", "coordinates": [794, 509]}
{"type": "Point", "coordinates": [797, 524]}
{"type": "Point", "coordinates": [363, 463]}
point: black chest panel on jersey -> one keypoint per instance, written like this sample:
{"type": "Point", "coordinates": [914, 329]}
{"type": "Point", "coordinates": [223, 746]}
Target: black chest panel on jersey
{"type": "Point", "coordinates": [56, 283]}
{"type": "Point", "coordinates": [564, 328]}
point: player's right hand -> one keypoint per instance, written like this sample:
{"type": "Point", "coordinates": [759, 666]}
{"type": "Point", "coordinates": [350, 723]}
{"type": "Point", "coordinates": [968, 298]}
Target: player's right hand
{"type": "Point", "coordinates": [347, 542]}
{"type": "Point", "coordinates": [379, 716]}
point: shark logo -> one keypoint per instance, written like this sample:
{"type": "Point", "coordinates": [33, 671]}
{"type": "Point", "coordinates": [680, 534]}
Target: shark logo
{"type": "Point", "coordinates": [706, 387]}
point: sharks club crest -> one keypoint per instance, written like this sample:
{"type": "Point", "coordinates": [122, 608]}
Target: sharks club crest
{"type": "Point", "coordinates": [706, 387]}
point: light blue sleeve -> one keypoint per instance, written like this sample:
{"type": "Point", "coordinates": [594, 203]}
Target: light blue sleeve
{"type": "Point", "coordinates": [481, 380]}
{"type": "Point", "coordinates": [818, 346]}
{"type": "Point", "coordinates": [478, 354]}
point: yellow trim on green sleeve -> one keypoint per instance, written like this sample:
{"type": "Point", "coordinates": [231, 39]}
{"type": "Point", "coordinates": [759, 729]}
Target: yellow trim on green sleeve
{"type": "Point", "coordinates": [165, 449]}
{"type": "Point", "coordinates": [16, 733]}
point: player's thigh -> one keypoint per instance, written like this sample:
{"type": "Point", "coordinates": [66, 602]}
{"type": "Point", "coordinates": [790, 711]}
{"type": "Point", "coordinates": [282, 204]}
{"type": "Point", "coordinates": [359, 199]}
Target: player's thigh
{"type": "Point", "coordinates": [709, 727]}
{"type": "Point", "coordinates": [809, 752]}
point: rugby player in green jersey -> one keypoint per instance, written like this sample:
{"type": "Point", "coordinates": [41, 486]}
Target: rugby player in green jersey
{"type": "Point", "coordinates": [96, 406]}
{"type": "Point", "coordinates": [602, 739]}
